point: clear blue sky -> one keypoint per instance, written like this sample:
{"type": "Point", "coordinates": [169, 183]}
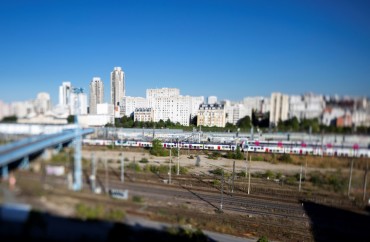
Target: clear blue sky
{"type": "Point", "coordinates": [226, 48]}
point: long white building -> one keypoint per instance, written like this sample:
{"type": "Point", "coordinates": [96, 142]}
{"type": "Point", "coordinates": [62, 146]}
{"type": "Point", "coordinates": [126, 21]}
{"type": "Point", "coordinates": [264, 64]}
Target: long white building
{"type": "Point", "coordinates": [96, 94]}
{"type": "Point", "coordinates": [306, 106]}
{"type": "Point", "coordinates": [167, 103]}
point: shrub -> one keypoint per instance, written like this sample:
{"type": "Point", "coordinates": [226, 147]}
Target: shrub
{"type": "Point", "coordinates": [217, 171]}
{"type": "Point", "coordinates": [285, 158]}
{"type": "Point", "coordinates": [263, 239]}
{"type": "Point", "coordinates": [269, 174]}
{"type": "Point", "coordinates": [134, 166]}
{"type": "Point", "coordinates": [144, 160]}
{"type": "Point", "coordinates": [137, 199]}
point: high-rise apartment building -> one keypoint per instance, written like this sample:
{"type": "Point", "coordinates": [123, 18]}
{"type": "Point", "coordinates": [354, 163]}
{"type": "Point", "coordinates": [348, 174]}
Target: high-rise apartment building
{"type": "Point", "coordinates": [65, 94]}
{"type": "Point", "coordinates": [117, 84]}
{"type": "Point", "coordinates": [96, 94]}
{"type": "Point", "coordinates": [279, 107]}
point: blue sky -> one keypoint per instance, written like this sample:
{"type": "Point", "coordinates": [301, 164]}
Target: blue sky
{"type": "Point", "coordinates": [227, 48]}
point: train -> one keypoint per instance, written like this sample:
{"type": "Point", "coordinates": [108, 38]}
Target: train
{"type": "Point", "coordinates": [254, 146]}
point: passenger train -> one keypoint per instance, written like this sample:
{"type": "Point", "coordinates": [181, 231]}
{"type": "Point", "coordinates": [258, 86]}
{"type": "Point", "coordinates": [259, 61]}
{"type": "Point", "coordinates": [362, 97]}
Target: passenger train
{"type": "Point", "coordinates": [285, 147]}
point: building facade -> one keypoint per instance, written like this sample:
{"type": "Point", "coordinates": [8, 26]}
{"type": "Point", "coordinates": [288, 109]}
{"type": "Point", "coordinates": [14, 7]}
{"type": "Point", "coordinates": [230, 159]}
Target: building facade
{"type": "Point", "coordinates": [212, 100]}
{"type": "Point", "coordinates": [279, 108]}
{"type": "Point", "coordinates": [117, 83]}
{"type": "Point", "coordinates": [167, 103]}
{"type": "Point", "coordinates": [211, 115]}
{"type": "Point", "coordinates": [96, 94]}
{"type": "Point", "coordinates": [306, 106]}
{"type": "Point", "coordinates": [129, 104]}
{"type": "Point", "coordinates": [143, 114]}
{"type": "Point", "coordinates": [65, 91]}
{"type": "Point", "coordinates": [42, 103]}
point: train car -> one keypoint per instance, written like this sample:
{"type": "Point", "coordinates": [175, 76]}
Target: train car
{"type": "Point", "coordinates": [126, 143]}
{"type": "Point", "coordinates": [144, 144]}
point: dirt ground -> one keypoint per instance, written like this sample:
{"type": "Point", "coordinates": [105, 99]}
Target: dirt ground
{"type": "Point", "coordinates": [205, 164]}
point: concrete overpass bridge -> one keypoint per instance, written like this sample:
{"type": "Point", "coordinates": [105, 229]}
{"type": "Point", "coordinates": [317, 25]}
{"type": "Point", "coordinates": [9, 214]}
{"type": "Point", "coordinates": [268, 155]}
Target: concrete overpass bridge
{"type": "Point", "coordinates": [18, 154]}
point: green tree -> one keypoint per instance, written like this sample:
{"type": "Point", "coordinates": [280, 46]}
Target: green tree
{"type": "Point", "coordinates": [71, 119]}
{"type": "Point", "coordinates": [9, 119]}
{"type": "Point", "coordinates": [244, 123]}
{"type": "Point", "coordinates": [157, 148]}
{"type": "Point", "coordinates": [194, 120]}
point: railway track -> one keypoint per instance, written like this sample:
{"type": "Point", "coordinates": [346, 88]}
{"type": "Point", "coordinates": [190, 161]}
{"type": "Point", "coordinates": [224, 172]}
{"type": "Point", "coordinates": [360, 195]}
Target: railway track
{"type": "Point", "coordinates": [274, 216]}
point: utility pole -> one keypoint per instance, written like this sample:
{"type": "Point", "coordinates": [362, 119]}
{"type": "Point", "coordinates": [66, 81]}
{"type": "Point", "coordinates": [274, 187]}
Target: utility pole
{"type": "Point", "coordinates": [232, 188]}
{"type": "Point", "coordinates": [93, 171]}
{"type": "Point", "coordinates": [134, 166]}
{"type": "Point", "coordinates": [122, 169]}
{"type": "Point", "coordinates": [222, 189]}
{"type": "Point", "coordinates": [249, 175]}
{"type": "Point", "coordinates": [305, 168]}
{"type": "Point", "coordinates": [178, 161]}
{"type": "Point", "coordinates": [350, 179]}
{"type": "Point", "coordinates": [106, 175]}
{"type": "Point", "coordinates": [300, 179]}
{"type": "Point", "coordinates": [169, 172]}
{"type": "Point", "coordinates": [365, 179]}
{"type": "Point", "coordinates": [246, 170]}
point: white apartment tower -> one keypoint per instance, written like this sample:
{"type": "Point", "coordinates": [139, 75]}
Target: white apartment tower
{"type": "Point", "coordinates": [279, 107]}
{"type": "Point", "coordinates": [65, 94]}
{"type": "Point", "coordinates": [117, 84]}
{"type": "Point", "coordinates": [96, 94]}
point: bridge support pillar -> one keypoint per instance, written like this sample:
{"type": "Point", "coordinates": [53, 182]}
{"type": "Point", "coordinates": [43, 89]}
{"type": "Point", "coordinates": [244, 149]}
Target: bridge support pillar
{"type": "Point", "coordinates": [57, 149]}
{"type": "Point", "coordinates": [25, 163]}
{"type": "Point", "coordinates": [4, 172]}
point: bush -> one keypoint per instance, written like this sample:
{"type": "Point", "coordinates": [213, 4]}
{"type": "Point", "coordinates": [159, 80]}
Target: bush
{"type": "Point", "coordinates": [183, 170]}
{"type": "Point", "coordinates": [285, 158]}
{"type": "Point", "coordinates": [216, 182]}
{"type": "Point", "coordinates": [263, 239]}
{"type": "Point", "coordinates": [137, 199]}
{"type": "Point", "coordinates": [269, 174]}
{"type": "Point", "coordinates": [214, 155]}
{"type": "Point", "coordinates": [217, 171]}
{"type": "Point", "coordinates": [86, 212]}
{"type": "Point", "coordinates": [333, 180]}
{"type": "Point", "coordinates": [134, 166]}
{"type": "Point", "coordinates": [241, 174]}
{"type": "Point", "coordinates": [237, 155]}
{"type": "Point", "coordinates": [144, 160]}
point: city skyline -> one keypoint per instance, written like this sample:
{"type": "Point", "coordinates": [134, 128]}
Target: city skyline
{"type": "Point", "coordinates": [229, 49]}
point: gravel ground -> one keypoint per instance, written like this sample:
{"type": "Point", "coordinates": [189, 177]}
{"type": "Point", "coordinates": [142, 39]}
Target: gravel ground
{"type": "Point", "coordinates": [184, 160]}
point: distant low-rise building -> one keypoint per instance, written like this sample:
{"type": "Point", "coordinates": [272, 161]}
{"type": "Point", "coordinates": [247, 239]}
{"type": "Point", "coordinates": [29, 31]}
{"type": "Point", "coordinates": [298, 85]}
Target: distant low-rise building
{"type": "Point", "coordinates": [330, 116]}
